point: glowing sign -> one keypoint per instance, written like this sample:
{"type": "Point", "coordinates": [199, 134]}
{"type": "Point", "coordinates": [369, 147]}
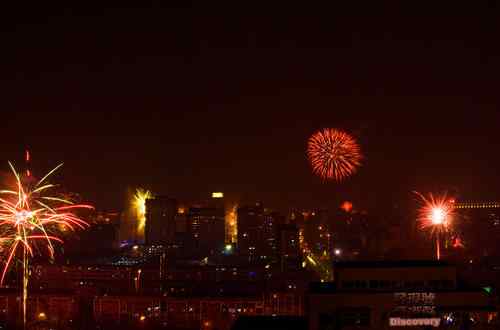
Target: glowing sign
{"type": "Point", "coordinates": [400, 322]}
{"type": "Point", "coordinates": [217, 195]}
{"type": "Point", "coordinates": [417, 298]}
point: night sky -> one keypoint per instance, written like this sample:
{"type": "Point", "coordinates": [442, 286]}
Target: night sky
{"type": "Point", "coordinates": [189, 100]}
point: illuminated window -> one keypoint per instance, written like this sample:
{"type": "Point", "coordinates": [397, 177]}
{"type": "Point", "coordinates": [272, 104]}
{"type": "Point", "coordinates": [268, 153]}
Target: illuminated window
{"type": "Point", "coordinates": [217, 195]}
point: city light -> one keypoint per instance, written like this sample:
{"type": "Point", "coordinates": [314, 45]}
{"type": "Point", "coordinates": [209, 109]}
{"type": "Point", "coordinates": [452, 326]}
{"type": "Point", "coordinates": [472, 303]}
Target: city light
{"type": "Point", "coordinates": [337, 252]}
{"type": "Point", "coordinates": [217, 195]}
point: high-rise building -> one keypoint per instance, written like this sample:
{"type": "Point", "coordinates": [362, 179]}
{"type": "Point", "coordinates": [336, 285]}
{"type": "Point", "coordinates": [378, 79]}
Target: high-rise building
{"type": "Point", "coordinates": [270, 246]}
{"type": "Point", "coordinates": [206, 230]}
{"type": "Point", "coordinates": [257, 230]}
{"type": "Point", "coordinates": [317, 231]}
{"type": "Point", "coordinates": [478, 228]}
{"type": "Point", "coordinates": [160, 221]}
{"type": "Point", "coordinates": [250, 222]}
{"type": "Point", "coordinates": [288, 244]}
{"type": "Point", "coordinates": [288, 240]}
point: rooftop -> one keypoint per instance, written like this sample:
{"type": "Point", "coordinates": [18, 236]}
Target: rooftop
{"type": "Point", "coordinates": [391, 264]}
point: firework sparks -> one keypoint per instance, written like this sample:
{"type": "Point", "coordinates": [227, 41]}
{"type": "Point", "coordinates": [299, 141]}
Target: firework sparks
{"type": "Point", "coordinates": [29, 214]}
{"type": "Point", "coordinates": [139, 207]}
{"type": "Point", "coordinates": [436, 214]}
{"type": "Point", "coordinates": [31, 217]}
{"type": "Point", "coordinates": [231, 220]}
{"type": "Point", "coordinates": [333, 154]}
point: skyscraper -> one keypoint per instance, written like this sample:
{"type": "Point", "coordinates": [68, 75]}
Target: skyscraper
{"type": "Point", "coordinates": [160, 221]}
{"type": "Point", "coordinates": [256, 232]}
{"type": "Point", "coordinates": [206, 230]}
{"type": "Point", "coordinates": [288, 244]}
{"type": "Point", "coordinates": [250, 222]}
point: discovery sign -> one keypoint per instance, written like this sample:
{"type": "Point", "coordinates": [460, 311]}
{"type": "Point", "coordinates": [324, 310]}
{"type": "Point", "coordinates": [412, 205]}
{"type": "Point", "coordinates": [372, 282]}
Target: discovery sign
{"type": "Point", "coordinates": [401, 322]}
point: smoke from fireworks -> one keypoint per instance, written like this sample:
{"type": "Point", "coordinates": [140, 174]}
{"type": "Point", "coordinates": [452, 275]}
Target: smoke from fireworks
{"type": "Point", "coordinates": [333, 154]}
{"type": "Point", "coordinates": [32, 217]}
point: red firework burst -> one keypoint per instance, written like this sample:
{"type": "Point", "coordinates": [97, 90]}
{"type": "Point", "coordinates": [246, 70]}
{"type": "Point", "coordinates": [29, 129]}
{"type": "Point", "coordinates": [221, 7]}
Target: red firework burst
{"type": "Point", "coordinates": [435, 213]}
{"type": "Point", "coordinates": [333, 154]}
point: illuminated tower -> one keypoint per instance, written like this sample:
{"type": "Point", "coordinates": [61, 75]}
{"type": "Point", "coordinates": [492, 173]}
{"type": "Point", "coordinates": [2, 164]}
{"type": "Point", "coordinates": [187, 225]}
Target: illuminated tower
{"type": "Point", "coordinates": [160, 221]}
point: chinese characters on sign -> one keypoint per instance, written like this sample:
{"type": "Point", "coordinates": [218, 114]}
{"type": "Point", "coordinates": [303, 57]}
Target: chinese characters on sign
{"type": "Point", "coordinates": [415, 303]}
{"type": "Point", "coordinates": [414, 309]}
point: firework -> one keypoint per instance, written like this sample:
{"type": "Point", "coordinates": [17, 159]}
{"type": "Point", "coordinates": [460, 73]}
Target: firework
{"type": "Point", "coordinates": [346, 206]}
{"type": "Point", "coordinates": [139, 207]}
{"type": "Point", "coordinates": [231, 220]}
{"type": "Point", "coordinates": [333, 154]}
{"type": "Point", "coordinates": [435, 214]}
{"type": "Point", "coordinates": [31, 218]}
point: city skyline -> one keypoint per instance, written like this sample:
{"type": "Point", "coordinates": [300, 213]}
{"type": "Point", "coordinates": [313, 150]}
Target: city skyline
{"type": "Point", "coordinates": [249, 166]}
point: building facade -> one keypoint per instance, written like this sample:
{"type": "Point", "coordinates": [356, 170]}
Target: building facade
{"type": "Point", "coordinates": [206, 230]}
{"type": "Point", "coordinates": [257, 233]}
{"type": "Point", "coordinates": [386, 295]}
{"type": "Point", "coordinates": [160, 221]}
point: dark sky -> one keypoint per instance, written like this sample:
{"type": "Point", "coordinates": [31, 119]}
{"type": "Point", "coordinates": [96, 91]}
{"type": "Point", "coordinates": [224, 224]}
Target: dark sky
{"type": "Point", "coordinates": [188, 100]}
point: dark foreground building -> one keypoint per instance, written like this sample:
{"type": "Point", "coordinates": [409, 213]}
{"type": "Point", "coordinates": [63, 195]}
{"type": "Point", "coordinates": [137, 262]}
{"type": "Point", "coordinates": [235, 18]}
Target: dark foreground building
{"type": "Point", "coordinates": [389, 295]}
{"type": "Point", "coordinates": [270, 323]}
